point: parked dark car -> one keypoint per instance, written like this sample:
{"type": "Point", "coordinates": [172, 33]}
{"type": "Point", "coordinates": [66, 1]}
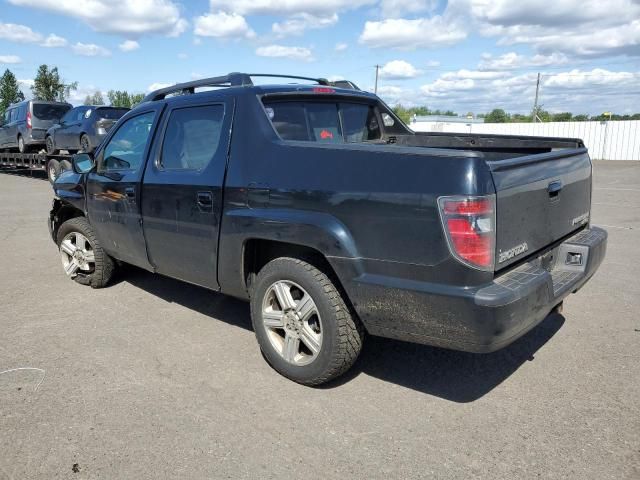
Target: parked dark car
{"type": "Point", "coordinates": [82, 128]}
{"type": "Point", "coordinates": [322, 209]}
{"type": "Point", "coordinates": [24, 124]}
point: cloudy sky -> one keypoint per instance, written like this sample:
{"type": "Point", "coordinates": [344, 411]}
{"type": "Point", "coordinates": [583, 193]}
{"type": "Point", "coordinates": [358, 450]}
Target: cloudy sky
{"type": "Point", "coordinates": [464, 55]}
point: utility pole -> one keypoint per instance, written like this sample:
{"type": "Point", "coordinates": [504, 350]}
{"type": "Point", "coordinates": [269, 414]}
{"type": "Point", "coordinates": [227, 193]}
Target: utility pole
{"type": "Point", "coordinates": [534, 115]}
{"type": "Point", "coordinates": [375, 89]}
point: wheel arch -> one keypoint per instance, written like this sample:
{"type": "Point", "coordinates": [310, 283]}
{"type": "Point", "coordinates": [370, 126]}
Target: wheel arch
{"type": "Point", "coordinates": [248, 236]}
{"type": "Point", "coordinates": [60, 213]}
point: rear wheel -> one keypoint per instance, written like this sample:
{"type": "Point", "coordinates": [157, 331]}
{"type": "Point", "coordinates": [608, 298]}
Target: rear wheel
{"type": "Point", "coordinates": [83, 258]}
{"type": "Point", "coordinates": [53, 170]}
{"type": "Point", "coordinates": [22, 148]}
{"type": "Point", "coordinates": [302, 324]}
{"type": "Point", "coordinates": [50, 145]}
{"type": "Point", "coordinates": [85, 143]}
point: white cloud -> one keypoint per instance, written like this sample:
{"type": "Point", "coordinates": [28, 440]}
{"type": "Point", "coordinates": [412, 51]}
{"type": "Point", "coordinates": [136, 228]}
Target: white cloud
{"type": "Point", "coordinates": [129, 45]}
{"type": "Point", "coordinates": [10, 59]}
{"type": "Point", "coordinates": [124, 17]}
{"type": "Point", "coordinates": [432, 63]}
{"type": "Point", "coordinates": [223, 25]}
{"type": "Point", "coordinates": [183, 56]}
{"type": "Point", "coordinates": [54, 41]}
{"type": "Point", "coordinates": [397, 8]}
{"type": "Point", "coordinates": [341, 47]}
{"type": "Point", "coordinates": [297, 24]}
{"type": "Point", "coordinates": [288, 7]}
{"type": "Point", "coordinates": [473, 74]}
{"type": "Point", "coordinates": [433, 32]}
{"type": "Point", "coordinates": [512, 60]}
{"type": "Point", "coordinates": [19, 33]}
{"type": "Point", "coordinates": [584, 28]}
{"type": "Point", "coordinates": [90, 50]}
{"type": "Point", "coordinates": [398, 69]}
{"type": "Point", "coordinates": [158, 85]}
{"type": "Point", "coordinates": [280, 51]}
{"type": "Point", "coordinates": [578, 91]}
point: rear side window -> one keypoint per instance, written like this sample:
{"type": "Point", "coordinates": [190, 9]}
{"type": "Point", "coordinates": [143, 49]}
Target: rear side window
{"type": "Point", "coordinates": [45, 111]}
{"type": "Point", "coordinates": [192, 137]}
{"type": "Point", "coordinates": [324, 122]}
{"type": "Point", "coordinates": [110, 113]}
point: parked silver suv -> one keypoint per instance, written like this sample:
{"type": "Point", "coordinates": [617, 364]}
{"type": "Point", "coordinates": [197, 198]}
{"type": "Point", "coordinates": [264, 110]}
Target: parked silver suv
{"type": "Point", "coordinates": [23, 125]}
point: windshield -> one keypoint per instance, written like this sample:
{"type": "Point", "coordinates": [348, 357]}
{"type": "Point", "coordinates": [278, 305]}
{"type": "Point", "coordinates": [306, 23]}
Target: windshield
{"type": "Point", "coordinates": [47, 111]}
{"type": "Point", "coordinates": [324, 122]}
{"type": "Point", "coordinates": [111, 113]}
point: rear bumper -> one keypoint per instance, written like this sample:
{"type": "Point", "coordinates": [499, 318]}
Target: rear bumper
{"type": "Point", "coordinates": [477, 319]}
{"type": "Point", "coordinates": [35, 136]}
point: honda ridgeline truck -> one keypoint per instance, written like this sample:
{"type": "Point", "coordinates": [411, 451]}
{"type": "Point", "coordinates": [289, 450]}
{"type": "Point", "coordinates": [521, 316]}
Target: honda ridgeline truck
{"type": "Point", "coordinates": [322, 209]}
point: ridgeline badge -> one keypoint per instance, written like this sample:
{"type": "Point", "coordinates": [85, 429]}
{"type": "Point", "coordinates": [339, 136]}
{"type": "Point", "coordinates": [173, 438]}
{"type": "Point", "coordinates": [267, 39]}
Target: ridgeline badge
{"type": "Point", "coordinates": [513, 252]}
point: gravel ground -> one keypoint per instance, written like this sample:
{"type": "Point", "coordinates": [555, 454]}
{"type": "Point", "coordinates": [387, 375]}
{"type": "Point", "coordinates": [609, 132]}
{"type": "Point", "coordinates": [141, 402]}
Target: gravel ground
{"type": "Point", "coordinates": [152, 378]}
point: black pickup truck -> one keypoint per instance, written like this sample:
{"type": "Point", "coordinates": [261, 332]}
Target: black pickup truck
{"type": "Point", "coordinates": [333, 219]}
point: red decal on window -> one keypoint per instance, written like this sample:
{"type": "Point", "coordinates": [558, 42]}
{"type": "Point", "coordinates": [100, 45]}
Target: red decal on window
{"type": "Point", "coordinates": [324, 134]}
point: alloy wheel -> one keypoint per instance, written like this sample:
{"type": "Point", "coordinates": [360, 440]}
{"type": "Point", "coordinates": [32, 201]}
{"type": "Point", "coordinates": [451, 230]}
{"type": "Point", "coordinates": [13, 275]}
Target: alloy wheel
{"type": "Point", "coordinates": [292, 322]}
{"type": "Point", "coordinates": [77, 254]}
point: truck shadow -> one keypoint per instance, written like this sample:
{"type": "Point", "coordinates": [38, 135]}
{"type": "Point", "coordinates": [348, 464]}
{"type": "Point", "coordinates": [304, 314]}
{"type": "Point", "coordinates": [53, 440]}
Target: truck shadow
{"type": "Point", "coordinates": [456, 376]}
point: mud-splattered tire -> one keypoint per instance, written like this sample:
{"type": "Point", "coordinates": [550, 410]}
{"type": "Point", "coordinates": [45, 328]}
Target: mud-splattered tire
{"type": "Point", "coordinates": [327, 337]}
{"type": "Point", "coordinates": [83, 258]}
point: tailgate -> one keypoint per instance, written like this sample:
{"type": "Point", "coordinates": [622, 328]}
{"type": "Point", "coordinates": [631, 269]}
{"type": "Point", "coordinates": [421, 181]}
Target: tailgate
{"type": "Point", "coordinates": [539, 200]}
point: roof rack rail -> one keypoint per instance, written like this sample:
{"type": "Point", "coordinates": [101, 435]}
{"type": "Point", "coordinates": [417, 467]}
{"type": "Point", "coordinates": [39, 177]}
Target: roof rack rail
{"type": "Point", "coordinates": [234, 79]}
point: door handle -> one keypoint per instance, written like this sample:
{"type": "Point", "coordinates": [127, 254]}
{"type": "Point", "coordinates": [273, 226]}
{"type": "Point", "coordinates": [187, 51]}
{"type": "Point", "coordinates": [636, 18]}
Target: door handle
{"type": "Point", "coordinates": [205, 201]}
{"type": "Point", "coordinates": [130, 193]}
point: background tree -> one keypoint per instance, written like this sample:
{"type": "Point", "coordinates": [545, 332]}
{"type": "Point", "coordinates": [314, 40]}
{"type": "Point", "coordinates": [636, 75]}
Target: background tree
{"type": "Point", "coordinates": [9, 90]}
{"type": "Point", "coordinates": [49, 86]}
{"type": "Point", "coordinates": [119, 98]}
{"type": "Point", "coordinates": [496, 115]}
{"type": "Point", "coordinates": [562, 117]}
{"type": "Point", "coordinates": [136, 98]}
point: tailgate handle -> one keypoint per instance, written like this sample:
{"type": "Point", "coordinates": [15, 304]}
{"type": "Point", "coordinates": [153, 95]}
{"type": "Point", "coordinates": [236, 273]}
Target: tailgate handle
{"type": "Point", "coordinates": [554, 188]}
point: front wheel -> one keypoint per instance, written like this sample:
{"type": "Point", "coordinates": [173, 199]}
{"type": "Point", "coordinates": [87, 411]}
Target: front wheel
{"type": "Point", "coordinates": [302, 324]}
{"type": "Point", "coordinates": [83, 258]}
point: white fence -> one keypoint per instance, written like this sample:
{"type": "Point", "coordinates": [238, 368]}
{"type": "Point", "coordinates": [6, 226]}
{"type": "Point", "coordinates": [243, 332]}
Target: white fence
{"type": "Point", "coordinates": [613, 140]}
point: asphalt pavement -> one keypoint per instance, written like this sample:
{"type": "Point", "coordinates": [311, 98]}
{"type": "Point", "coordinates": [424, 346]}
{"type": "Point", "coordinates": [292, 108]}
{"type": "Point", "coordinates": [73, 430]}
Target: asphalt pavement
{"type": "Point", "coordinates": [152, 378]}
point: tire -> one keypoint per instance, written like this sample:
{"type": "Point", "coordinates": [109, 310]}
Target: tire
{"type": "Point", "coordinates": [85, 143]}
{"type": "Point", "coordinates": [22, 148]}
{"type": "Point", "coordinates": [65, 165]}
{"type": "Point", "coordinates": [50, 145]}
{"type": "Point", "coordinates": [53, 170]}
{"type": "Point", "coordinates": [95, 273]}
{"type": "Point", "coordinates": [335, 333]}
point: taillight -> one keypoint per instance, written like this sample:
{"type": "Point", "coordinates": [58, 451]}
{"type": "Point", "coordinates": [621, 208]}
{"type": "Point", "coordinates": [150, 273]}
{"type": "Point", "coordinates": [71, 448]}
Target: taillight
{"type": "Point", "coordinates": [28, 119]}
{"type": "Point", "coordinates": [470, 227]}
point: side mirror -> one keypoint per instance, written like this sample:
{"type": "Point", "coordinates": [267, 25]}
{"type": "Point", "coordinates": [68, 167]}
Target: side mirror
{"type": "Point", "coordinates": [82, 163]}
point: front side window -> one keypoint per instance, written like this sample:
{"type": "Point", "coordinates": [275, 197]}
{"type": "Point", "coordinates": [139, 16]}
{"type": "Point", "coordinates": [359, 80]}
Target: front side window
{"type": "Point", "coordinates": [192, 137]}
{"type": "Point", "coordinates": [125, 150]}
{"type": "Point", "coordinates": [324, 122]}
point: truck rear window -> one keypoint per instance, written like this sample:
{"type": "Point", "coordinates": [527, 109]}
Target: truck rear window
{"type": "Point", "coordinates": [324, 122]}
{"type": "Point", "coordinates": [46, 111]}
